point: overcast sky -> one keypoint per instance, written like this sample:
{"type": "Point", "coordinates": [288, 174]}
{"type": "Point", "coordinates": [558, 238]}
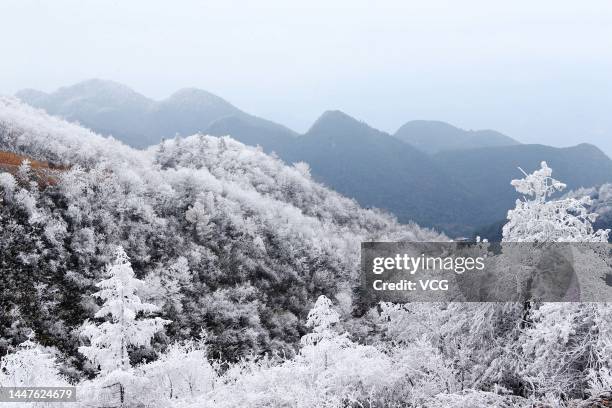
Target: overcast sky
{"type": "Point", "coordinates": [540, 71]}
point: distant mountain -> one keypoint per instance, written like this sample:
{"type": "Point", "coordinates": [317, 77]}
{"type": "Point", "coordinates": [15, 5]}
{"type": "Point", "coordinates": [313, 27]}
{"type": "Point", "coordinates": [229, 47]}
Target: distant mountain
{"type": "Point", "coordinates": [488, 172]}
{"type": "Point", "coordinates": [188, 111]}
{"type": "Point", "coordinates": [429, 172]}
{"type": "Point", "coordinates": [110, 108]}
{"type": "Point", "coordinates": [381, 171]}
{"type": "Point", "coordinates": [434, 136]}
{"type": "Point", "coordinates": [104, 106]}
{"type": "Point", "coordinates": [253, 131]}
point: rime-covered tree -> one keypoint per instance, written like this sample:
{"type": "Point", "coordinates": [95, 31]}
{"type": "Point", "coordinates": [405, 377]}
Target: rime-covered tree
{"type": "Point", "coordinates": [562, 347]}
{"type": "Point", "coordinates": [324, 341]}
{"type": "Point", "coordinates": [536, 218]}
{"type": "Point", "coordinates": [600, 373]}
{"type": "Point", "coordinates": [321, 318]}
{"type": "Point", "coordinates": [110, 340]}
{"type": "Point", "coordinates": [183, 370]}
{"type": "Point", "coordinates": [31, 365]}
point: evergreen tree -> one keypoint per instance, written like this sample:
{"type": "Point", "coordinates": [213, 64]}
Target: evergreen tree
{"type": "Point", "coordinates": [321, 318]}
{"type": "Point", "coordinates": [110, 340]}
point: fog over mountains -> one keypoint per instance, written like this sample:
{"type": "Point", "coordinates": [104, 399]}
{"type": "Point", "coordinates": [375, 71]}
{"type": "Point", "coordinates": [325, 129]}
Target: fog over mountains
{"type": "Point", "coordinates": [430, 172]}
{"type": "Point", "coordinates": [114, 109]}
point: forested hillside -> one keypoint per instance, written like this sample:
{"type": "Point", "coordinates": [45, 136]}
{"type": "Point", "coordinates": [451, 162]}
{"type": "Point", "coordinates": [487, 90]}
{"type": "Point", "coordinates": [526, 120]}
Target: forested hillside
{"type": "Point", "coordinates": [428, 172]}
{"type": "Point", "coordinates": [205, 273]}
{"type": "Point", "coordinates": [226, 238]}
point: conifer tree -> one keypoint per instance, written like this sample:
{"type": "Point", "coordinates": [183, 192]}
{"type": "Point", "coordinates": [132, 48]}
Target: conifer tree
{"type": "Point", "coordinates": [321, 318]}
{"type": "Point", "coordinates": [109, 341]}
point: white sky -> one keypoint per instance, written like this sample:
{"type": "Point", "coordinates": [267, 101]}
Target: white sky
{"type": "Point", "coordinates": [540, 71]}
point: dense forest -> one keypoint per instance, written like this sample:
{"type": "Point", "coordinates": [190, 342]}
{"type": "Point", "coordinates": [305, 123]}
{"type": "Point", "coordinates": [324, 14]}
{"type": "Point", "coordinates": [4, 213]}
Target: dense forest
{"type": "Point", "coordinates": [225, 237]}
{"type": "Point", "coordinates": [205, 273]}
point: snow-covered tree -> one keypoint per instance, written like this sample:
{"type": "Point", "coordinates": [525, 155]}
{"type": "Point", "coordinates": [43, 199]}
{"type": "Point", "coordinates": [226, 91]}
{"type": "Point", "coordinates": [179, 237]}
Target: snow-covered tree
{"type": "Point", "coordinates": [31, 365]}
{"type": "Point", "coordinates": [567, 350]}
{"type": "Point", "coordinates": [600, 373]}
{"type": "Point", "coordinates": [109, 341]}
{"type": "Point", "coordinates": [558, 348]}
{"type": "Point", "coordinates": [321, 318]}
{"type": "Point", "coordinates": [564, 346]}
{"type": "Point", "coordinates": [8, 183]}
{"type": "Point", "coordinates": [324, 342]}
{"type": "Point", "coordinates": [24, 171]}
{"type": "Point", "coordinates": [332, 371]}
{"type": "Point", "coordinates": [183, 371]}
{"type": "Point", "coordinates": [538, 219]}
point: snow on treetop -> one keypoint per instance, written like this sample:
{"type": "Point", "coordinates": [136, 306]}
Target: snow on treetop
{"type": "Point", "coordinates": [539, 220]}
{"type": "Point", "coordinates": [539, 184]}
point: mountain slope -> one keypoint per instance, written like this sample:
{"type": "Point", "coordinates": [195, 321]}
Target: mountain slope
{"type": "Point", "coordinates": [226, 237]}
{"type": "Point", "coordinates": [434, 136]}
{"type": "Point", "coordinates": [110, 108]}
{"type": "Point", "coordinates": [488, 171]}
{"type": "Point", "coordinates": [455, 190]}
{"type": "Point", "coordinates": [381, 171]}
{"type": "Point", "coordinates": [187, 112]}
{"type": "Point", "coordinates": [253, 131]}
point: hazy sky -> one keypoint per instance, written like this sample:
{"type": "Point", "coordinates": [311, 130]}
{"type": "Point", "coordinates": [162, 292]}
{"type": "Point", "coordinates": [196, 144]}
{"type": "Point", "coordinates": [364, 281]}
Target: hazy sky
{"type": "Point", "coordinates": [540, 71]}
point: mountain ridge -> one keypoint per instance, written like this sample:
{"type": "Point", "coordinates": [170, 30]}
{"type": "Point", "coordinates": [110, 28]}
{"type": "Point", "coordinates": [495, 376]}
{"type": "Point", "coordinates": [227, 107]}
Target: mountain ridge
{"type": "Point", "coordinates": [583, 165]}
{"type": "Point", "coordinates": [439, 188]}
{"type": "Point", "coordinates": [111, 108]}
{"type": "Point", "coordinates": [379, 170]}
{"type": "Point", "coordinates": [435, 136]}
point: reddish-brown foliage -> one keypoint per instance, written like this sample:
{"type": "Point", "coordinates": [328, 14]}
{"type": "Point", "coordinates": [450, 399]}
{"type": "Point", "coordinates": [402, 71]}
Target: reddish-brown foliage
{"type": "Point", "coordinates": [43, 171]}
